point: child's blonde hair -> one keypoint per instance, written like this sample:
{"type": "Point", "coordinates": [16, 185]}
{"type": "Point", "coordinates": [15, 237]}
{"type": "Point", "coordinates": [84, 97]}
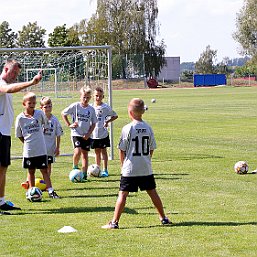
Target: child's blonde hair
{"type": "Point", "coordinates": [137, 106]}
{"type": "Point", "coordinates": [85, 90]}
{"type": "Point", "coordinates": [45, 100]}
{"type": "Point", "coordinates": [28, 96]}
{"type": "Point", "coordinates": [99, 89]}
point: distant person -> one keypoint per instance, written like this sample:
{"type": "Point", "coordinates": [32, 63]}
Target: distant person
{"type": "Point", "coordinates": [83, 120]}
{"type": "Point", "coordinates": [8, 86]}
{"type": "Point", "coordinates": [100, 137]}
{"type": "Point", "coordinates": [136, 147]}
{"type": "Point", "coordinates": [29, 129]}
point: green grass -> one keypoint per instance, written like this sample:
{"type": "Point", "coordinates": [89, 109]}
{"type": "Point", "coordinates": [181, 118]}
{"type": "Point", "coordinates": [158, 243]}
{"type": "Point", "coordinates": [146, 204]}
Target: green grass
{"type": "Point", "coordinates": [201, 133]}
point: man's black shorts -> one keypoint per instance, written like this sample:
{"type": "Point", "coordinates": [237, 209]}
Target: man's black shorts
{"type": "Point", "coordinates": [5, 150]}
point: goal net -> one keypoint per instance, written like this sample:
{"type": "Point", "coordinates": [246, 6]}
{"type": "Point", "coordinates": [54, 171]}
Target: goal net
{"type": "Point", "coordinates": [65, 70]}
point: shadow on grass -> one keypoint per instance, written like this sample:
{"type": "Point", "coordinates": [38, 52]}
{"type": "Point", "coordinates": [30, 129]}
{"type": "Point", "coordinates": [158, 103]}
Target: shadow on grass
{"type": "Point", "coordinates": [196, 223]}
{"type": "Point", "coordinates": [214, 223]}
{"type": "Point", "coordinates": [191, 157]}
{"type": "Point", "coordinates": [75, 210]}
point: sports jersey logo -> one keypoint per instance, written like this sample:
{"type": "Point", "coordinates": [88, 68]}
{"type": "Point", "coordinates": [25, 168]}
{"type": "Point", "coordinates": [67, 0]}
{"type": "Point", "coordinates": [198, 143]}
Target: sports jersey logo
{"type": "Point", "coordinates": [77, 143]}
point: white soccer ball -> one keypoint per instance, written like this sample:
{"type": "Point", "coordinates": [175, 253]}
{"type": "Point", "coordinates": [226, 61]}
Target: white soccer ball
{"type": "Point", "coordinates": [76, 176]}
{"type": "Point", "coordinates": [34, 194]}
{"type": "Point", "coordinates": [153, 100]}
{"type": "Point", "coordinates": [93, 170]}
{"type": "Point", "coordinates": [241, 167]}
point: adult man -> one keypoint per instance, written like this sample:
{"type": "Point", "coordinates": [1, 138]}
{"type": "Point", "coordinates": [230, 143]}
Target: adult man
{"type": "Point", "coordinates": [8, 86]}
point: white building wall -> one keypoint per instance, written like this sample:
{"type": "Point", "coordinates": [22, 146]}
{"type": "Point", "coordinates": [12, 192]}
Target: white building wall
{"type": "Point", "coordinates": [171, 71]}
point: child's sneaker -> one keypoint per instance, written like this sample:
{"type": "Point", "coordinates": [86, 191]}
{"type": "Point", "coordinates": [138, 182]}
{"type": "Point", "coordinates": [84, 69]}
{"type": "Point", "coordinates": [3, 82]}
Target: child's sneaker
{"type": "Point", "coordinates": [54, 195]}
{"type": "Point", "coordinates": [104, 174]}
{"type": "Point", "coordinates": [25, 185]}
{"type": "Point", "coordinates": [166, 221]}
{"type": "Point", "coordinates": [111, 225]}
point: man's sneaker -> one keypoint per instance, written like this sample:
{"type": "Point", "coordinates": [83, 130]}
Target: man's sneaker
{"type": "Point", "coordinates": [104, 174]}
{"type": "Point", "coordinates": [166, 221]}
{"type": "Point", "coordinates": [7, 207]}
{"type": "Point", "coordinates": [54, 195]}
{"type": "Point", "coordinates": [111, 225]}
{"type": "Point", "coordinates": [25, 185]}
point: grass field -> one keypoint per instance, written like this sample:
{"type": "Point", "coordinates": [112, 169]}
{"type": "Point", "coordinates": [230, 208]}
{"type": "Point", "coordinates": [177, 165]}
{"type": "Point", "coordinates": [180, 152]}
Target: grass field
{"type": "Point", "coordinates": [201, 133]}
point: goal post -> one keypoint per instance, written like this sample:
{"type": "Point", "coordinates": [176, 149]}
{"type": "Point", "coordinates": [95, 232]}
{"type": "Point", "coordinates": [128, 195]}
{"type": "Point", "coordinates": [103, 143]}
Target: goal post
{"type": "Point", "coordinates": [66, 70]}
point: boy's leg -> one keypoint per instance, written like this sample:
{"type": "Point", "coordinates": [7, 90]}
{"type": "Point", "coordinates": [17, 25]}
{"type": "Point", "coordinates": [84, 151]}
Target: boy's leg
{"type": "Point", "coordinates": [31, 177]}
{"type": "Point", "coordinates": [84, 160]}
{"type": "Point", "coordinates": [105, 158]}
{"type": "Point", "coordinates": [119, 207]}
{"type": "Point", "coordinates": [98, 156]}
{"type": "Point", "coordinates": [157, 202]}
{"type": "Point", "coordinates": [76, 156]}
{"type": "Point", "coordinates": [49, 188]}
{"type": "Point", "coordinates": [49, 169]}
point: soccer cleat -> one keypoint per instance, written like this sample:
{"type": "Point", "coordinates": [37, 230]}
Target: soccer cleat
{"type": "Point", "coordinates": [111, 225]}
{"type": "Point", "coordinates": [7, 207]}
{"type": "Point", "coordinates": [25, 185]}
{"type": "Point", "coordinates": [53, 195]}
{"type": "Point", "coordinates": [166, 221]}
{"type": "Point", "coordinates": [104, 174]}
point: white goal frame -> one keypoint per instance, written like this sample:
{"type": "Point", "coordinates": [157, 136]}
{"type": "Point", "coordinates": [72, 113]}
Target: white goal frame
{"type": "Point", "coordinates": [9, 52]}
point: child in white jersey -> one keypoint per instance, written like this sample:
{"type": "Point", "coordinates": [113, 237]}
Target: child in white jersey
{"type": "Point", "coordinates": [52, 132]}
{"type": "Point", "coordinates": [82, 125]}
{"type": "Point", "coordinates": [100, 136]}
{"type": "Point", "coordinates": [28, 128]}
{"type": "Point", "coordinates": [136, 147]}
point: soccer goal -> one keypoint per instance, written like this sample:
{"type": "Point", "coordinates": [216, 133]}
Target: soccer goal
{"type": "Point", "coordinates": [65, 70]}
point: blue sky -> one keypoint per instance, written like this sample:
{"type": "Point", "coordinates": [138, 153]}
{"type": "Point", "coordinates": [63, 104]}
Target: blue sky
{"type": "Point", "coordinates": [187, 27]}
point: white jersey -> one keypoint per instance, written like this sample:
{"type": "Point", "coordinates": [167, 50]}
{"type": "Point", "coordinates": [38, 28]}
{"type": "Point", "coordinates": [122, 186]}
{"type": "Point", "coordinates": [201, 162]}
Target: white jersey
{"type": "Point", "coordinates": [32, 131]}
{"type": "Point", "coordinates": [103, 113]}
{"type": "Point", "coordinates": [137, 139]}
{"type": "Point", "coordinates": [52, 129]}
{"type": "Point", "coordinates": [6, 111]}
{"type": "Point", "coordinates": [85, 116]}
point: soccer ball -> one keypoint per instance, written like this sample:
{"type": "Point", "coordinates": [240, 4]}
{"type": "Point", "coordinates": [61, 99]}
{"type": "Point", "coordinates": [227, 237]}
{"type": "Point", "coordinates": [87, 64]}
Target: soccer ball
{"type": "Point", "coordinates": [34, 194]}
{"type": "Point", "coordinates": [76, 176]}
{"type": "Point", "coordinates": [93, 170]}
{"type": "Point", "coordinates": [40, 183]}
{"type": "Point", "coordinates": [241, 167]}
{"type": "Point", "coordinates": [153, 100]}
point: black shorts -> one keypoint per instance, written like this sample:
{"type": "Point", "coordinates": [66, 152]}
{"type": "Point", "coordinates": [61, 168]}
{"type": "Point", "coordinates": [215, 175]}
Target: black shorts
{"type": "Point", "coordinates": [5, 150]}
{"type": "Point", "coordinates": [131, 184]}
{"type": "Point", "coordinates": [81, 142]}
{"type": "Point", "coordinates": [38, 162]}
{"type": "Point", "coordinates": [50, 159]}
{"type": "Point", "coordinates": [100, 143]}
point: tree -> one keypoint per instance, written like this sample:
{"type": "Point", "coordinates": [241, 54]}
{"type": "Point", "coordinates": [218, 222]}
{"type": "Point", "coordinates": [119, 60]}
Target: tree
{"type": "Point", "coordinates": [205, 64]}
{"type": "Point", "coordinates": [130, 26]}
{"type": "Point", "coordinates": [246, 24]}
{"type": "Point", "coordinates": [7, 37]}
{"type": "Point", "coordinates": [62, 36]}
{"type": "Point", "coordinates": [31, 35]}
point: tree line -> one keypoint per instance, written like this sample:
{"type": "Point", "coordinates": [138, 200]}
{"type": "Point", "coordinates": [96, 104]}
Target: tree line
{"type": "Point", "coordinates": [129, 26]}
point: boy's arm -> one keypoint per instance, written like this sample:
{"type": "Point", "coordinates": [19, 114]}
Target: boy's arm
{"type": "Point", "coordinates": [121, 156]}
{"type": "Point", "coordinates": [110, 120]}
{"type": "Point", "coordinates": [57, 149]}
{"type": "Point", "coordinates": [67, 122]}
{"type": "Point", "coordinates": [91, 128]}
